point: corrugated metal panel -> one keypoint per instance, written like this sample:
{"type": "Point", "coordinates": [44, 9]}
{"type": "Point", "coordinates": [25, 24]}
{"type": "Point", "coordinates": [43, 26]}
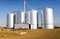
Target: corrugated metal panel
{"type": "Point", "coordinates": [17, 26]}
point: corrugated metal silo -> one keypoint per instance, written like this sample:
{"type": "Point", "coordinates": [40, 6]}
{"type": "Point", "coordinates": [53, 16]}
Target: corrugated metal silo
{"type": "Point", "coordinates": [42, 19]}
{"type": "Point", "coordinates": [47, 17]}
{"type": "Point", "coordinates": [33, 18]}
{"type": "Point", "coordinates": [18, 18]}
{"type": "Point", "coordinates": [29, 19]}
{"type": "Point", "coordinates": [22, 17]}
{"type": "Point", "coordinates": [10, 20]}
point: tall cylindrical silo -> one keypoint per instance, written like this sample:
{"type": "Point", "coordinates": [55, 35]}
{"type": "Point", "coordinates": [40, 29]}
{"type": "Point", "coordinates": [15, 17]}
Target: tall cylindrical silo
{"type": "Point", "coordinates": [10, 20]}
{"type": "Point", "coordinates": [47, 17]}
{"type": "Point", "coordinates": [33, 18]}
{"type": "Point", "coordinates": [18, 18]}
{"type": "Point", "coordinates": [42, 19]}
{"type": "Point", "coordinates": [22, 17]}
{"type": "Point", "coordinates": [29, 18]}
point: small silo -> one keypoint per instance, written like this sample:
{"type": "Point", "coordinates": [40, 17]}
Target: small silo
{"type": "Point", "coordinates": [10, 20]}
{"type": "Point", "coordinates": [47, 18]}
{"type": "Point", "coordinates": [32, 18]}
{"type": "Point", "coordinates": [22, 17]}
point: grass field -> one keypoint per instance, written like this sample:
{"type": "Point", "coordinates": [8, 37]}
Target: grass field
{"type": "Point", "coordinates": [31, 34]}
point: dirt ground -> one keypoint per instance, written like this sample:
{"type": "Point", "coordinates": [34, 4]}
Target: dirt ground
{"type": "Point", "coordinates": [31, 34]}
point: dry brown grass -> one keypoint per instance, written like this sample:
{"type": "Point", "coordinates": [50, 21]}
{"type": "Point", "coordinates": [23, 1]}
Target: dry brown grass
{"type": "Point", "coordinates": [31, 34]}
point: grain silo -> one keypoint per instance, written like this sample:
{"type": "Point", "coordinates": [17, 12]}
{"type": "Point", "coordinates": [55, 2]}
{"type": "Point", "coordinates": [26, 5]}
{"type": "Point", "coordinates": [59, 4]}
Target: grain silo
{"type": "Point", "coordinates": [32, 19]}
{"type": "Point", "coordinates": [29, 18]}
{"type": "Point", "coordinates": [10, 20]}
{"type": "Point", "coordinates": [47, 18]}
{"type": "Point", "coordinates": [42, 19]}
{"type": "Point", "coordinates": [22, 16]}
{"type": "Point", "coordinates": [18, 18]}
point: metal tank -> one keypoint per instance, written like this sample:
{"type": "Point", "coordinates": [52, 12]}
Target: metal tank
{"type": "Point", "coordinates": [22, 17]}
{"type": "Point", "coordinates": [18, 18]}
{"type": "Point", "coordinates": [29, 19]}
{"type": "Point", "coordinates": [32, 18]}
{"type": "Point", "coordinates": [42, 19]}
{"type": "Point", "coordinates": [10, 20]}
{"type": "Point", "coordinates": [47, 18]}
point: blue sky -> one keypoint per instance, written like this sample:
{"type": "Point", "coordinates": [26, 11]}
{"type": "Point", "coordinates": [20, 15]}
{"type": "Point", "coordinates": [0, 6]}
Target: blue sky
{"type": "Point", "coordinates": [6, 6]}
